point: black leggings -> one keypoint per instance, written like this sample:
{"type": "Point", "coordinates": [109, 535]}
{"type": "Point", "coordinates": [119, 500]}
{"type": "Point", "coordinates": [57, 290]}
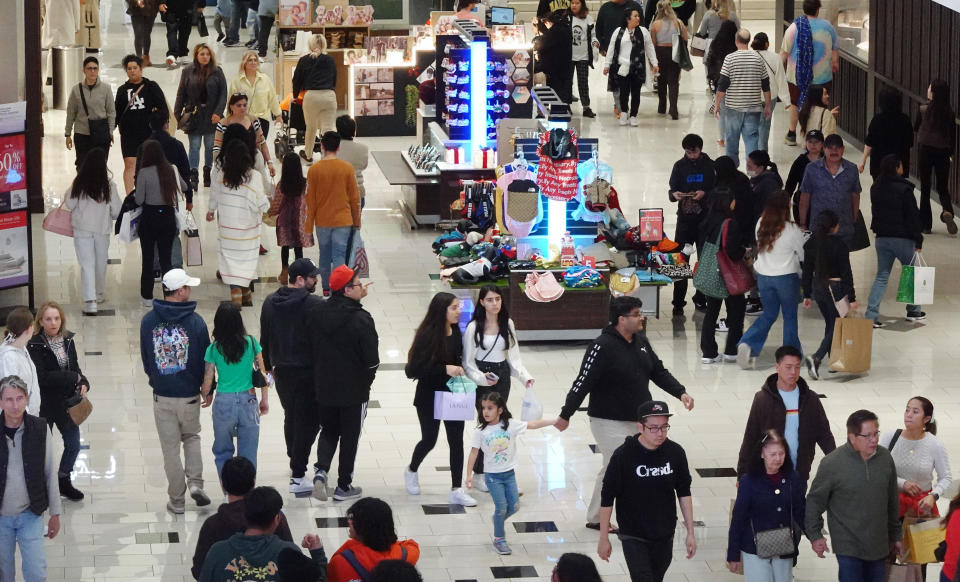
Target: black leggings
{"type": "Point", "coordinates": [429, 431]}
{"type": "Point", "coordinates": [142, 27]}
{"type": "Point", "coordinates": [158, 226]}
{"type": "Point", "coordinates": [285, 255]}
{"type": "Point", "coordinates": [933, 161]}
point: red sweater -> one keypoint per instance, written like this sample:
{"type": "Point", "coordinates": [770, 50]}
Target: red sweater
{"type": "Point", "coordinates": [953, 547]}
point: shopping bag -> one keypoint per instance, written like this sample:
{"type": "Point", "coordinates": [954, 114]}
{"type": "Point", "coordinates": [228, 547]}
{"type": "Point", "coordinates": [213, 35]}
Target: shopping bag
{"type": "Point", "coordinates": [190, 242]}
{"type": "Point", "coordinates": [707, 278]}
{"type": "Point", "coordinates": [699, 45]}
{"type": "Point", "coordinates": [59, 221]}
{"type": "Point", "coordinates": [905, 288]}
{"type": "Point", "coordinates": [357, 255]}
{"type": "Point", "coordinates": [923, 280]}
{"type": "Point", "coordinates": [852, 345]}
{"type": "Point", "coordinates": [450, 406]}
{"type": "Point", "coordinates": [130, 225]}
{"type": "Point", "coordinates": [681, 54]}
{"type": "Point", "coordinates": [903, 573]}
{"type": "Point", "coordinates": [861, 239]}
{"type": "Point", "coordinates": [921, 536]}
{"type": "Point", "coordinates": [461, 385]}
{"type": "Point", "coordinates": [531, 408]}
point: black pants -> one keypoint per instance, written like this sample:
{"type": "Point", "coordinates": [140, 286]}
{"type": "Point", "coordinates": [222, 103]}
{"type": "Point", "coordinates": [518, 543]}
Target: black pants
{"type": "Point", "coordinates": [285, 255]}
{"type": "Point", "coordinates": [583, 81]}
{"type": "Point", "coordinates": [736, 308]}
{"type": "Point", "coordinates": [266, 24]}
{"type": "Point", "coordinates": [158, 226]}
{"type": "Point", "coordinates": [502, 370]}
{"type": "Point", "coordinates": [301, 423]}
{"type": "Point", "coordinates": [669, 80]}
{"type": "Point", "coordinates": [828, 309]}
{"type": "Point", "coordinates": [178, 35]}
{"type": "Point", "coordinates": [429, 431]}
{"type": "Point", "coordinates": [83, 144]}
{"type": "Point", "coordinates": [265, 128]}
{"type": "Point", "coordinates": [142, 27]}
{"type": "Point", "coordinates": [630, 87]}
{"type": "Point", "coordinates": [647, 560]}
{"type": "Point", "coordinates": [937, 161]}
{"type": "Point", "coordinates": [340, 424]}
{"type": "Point", "coordinates": [687, 232]}
{"type": "Point", "coordinates": [562, 83]}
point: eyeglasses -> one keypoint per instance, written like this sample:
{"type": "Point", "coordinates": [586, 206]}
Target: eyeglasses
{"type": "Point", "coordinates": [871, 435]}
{"type": "Point", "coordinates": [657, 429]}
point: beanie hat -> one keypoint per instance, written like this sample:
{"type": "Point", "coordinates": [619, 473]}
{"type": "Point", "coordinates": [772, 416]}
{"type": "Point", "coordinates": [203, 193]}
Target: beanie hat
{"type": "Point", "coordinates": [340, 277]}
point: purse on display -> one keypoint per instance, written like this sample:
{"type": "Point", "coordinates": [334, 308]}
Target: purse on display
{"type": "Point", "coordinates": [596, 195]}
{"type": "Point", "coordinates": [522, 207]}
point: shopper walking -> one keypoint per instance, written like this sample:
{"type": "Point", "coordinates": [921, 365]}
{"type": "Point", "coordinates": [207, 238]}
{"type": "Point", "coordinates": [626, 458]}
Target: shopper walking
{"type": "Point", "coordinates": [266, 15]}
{"type": "Point", "coordinates": [609, 19]}
{"type": "Point", "coordinates": [289, 206]}
{"type": "Point", "coordinates": [629, 56]}
{"type": "Point", "coordinates": [743, 81]}
{"type": "Point", "coordinates": [948, 572]}
{"type": "Point", "coordinates": [779, 91]}
{"type": "Point", "coordinates": [745, 208]}
{"type": "Point", "coordinates": [585, 46]}
{"type": "Point", "coordinates": [935, 134]}
{"type": "Point", "coordinates": [238, 201]}
{"type": "Point", "coordinates": [691, 178]}
{"type": "Point", "coordinates": [237, 106]}
{"type": "Point", "coordinates": [857, 486]}
{"type": "Point", "coordinates": [616, 371]}
{"type": "Point", "coordinates": [769, 497]}
{"type": "Point", "coordinates": [143, 14]}
{"type": "Point", "coordinates": [353, 152]}
{"type": "Point", "coordinates": [809, 53]}
{"type": "Point", "coordinates": [897, 224]}
{"type": "Point", "coordinates": [54, 353]}
{"type": "Point", "coordinates": [827, 278]}
{"type": "Point", "coordinates": [779, 252]}
{"type": "Point", "coordinates": [435, 358]}
{"type": "Point", "coordinates": [764, 179]}
{"type": "Point", "coordinates": [178, 15]}
{"type": "Point", "coordinates": [813, 151]}
{"type": "Point", "coordinates": [890, 132]}
{"type": "Point", "coordinates": [201, 97]}
{"type": "Point", "coordinates": [723, 44]}
{"type": "Point", "coordinates": [238, 17]}
{"type": "Point", "coordinates": [90, 114]}
{"type": "Point", "coordinates": [720, 222]}
{"type": "Point", "coordinates": [15, 359]}
{"type": "Point", "coordinates": [261, 95]}
{"type": "Point", "coordinates": [136, 102]}
{"type": "Point", "coordinates": [786, 404]}
{"type": "Point", "coordinates": [831, 183]}
{"type": "Point", "coordinates": [173, 341]}
{"type": "Point", "coordinates": [313, 82]}
{"type": "Point", "coordinates": [666, 30]}
{"type": "Point", "coordinates": [173, 150]}
{"type": "Point", "coordinates": [718, 12]}
{"type": "Point", "coordinates": [29, 488]}
{"type": "Point", "coordinates": [646, 473]}
{"type": "Point", "coordinates": [345, 344]}
{"type": "Point", "coordinates": [815, 113]}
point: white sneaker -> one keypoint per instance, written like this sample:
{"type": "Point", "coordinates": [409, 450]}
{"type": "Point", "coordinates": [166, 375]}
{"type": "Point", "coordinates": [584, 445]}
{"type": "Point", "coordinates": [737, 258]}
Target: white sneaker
{"type": "Point", "coordinates": [300, 485]}
{"type": "Point", "coordinates": [412, 481]}
{"type": "Point", "coordinates": [634, 122]}
{"type": "Point", "coordinates": [459, 497]}
{"type": "Point", "coordinates": [744, 357]}
{"type": "Point", "coordinates": [480, 484]}
{"type": "Point", "coordinates": [714, 360]}
{"type": "Point", "coordinates": [320, 486]}
{"type": "Point", "coordinates": [624, 119]}
{"type": "Point", "coordinates": [148, 303]}
{"type": "Point", "coordinates": [90, 308]}
{"type": "Point", "coordinates": [171, 60]}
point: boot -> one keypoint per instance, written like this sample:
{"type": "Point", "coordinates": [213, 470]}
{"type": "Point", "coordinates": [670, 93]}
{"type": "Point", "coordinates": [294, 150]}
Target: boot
{"type": "Point", "coordinates": [246, 297]}
{"type": "Point", "coordinates": [236, 297]}
{"type": "Point", "coordinates": [146, 61]}
{"type": "Point", "coordinates": [194, 179]}
{"type": "Point", "coordinates": [283, 278]}
{"type": "Point", "coordinates": [206, 176]}
{"type": "Point", "coordinates": [68, 490]}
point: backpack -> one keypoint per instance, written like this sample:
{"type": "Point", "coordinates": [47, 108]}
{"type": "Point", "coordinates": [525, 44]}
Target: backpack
{"type": "Point", "coordinates": [364, 574]}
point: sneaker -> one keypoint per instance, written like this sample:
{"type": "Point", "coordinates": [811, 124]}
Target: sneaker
{"type": "Point", "coordinates": [500, 545]}
{"type": "Point", "coordinates": [347, 494]}
{"type": "Point", "coordinates": [101, 299]}
{"type": "Point", "coordinates": [729, 357]}
{"type": "Point", "coordinates": [90, 308]}
{"type": "Point", "coordinates": [813, 367]}
{"type": "Point", "coordinates": [175, 508]}
{"type": "Point", "coordinates": [480, 484]}
{"type": "Point", "coordinates": [412, 481]}
{"type": "Point", "coordinates": [69, 491]}
{"type": "Point", "coordinates": [171, 61]}
{"type": "Point", "coordinates": [791, 138]}
{"type": "Point", "coordinates": [624, 119]}
{"type": "Point", "coordinates": [300, 485]}
{"type": "Point", "coordinates": [320, 486]}
{"type": "Point", "coordinates": [221, 36]}
{"type": "Point", "coordinates": [587, 112]}
{"type": "Point", "coordinates": [947, 218]}
{"type": "Point", "coordinates": [459, 497]}
{"type": "Point", "coordinates": [232, 43]}
{"type": "Point", "coordinates": [148, 303]}
{"type": "Point", "coordinates": [744, 356]}
{"type": "Point", "coordinates": [713, 360]}
{"type": "Point", "coordinates": [634, 122]}
{"type": "Point", "coordinates": [754, 309]}
{"type": "Point", "coordinates": [917, 317]}
{"type": "Point", "coordinates": [251, 43]}
{"type": "Point", "coordinates": [722, 325]}
{"type": "Point", "coordinates": [877, 324]}
{"type": "Point", "coordinates": [199, 496]}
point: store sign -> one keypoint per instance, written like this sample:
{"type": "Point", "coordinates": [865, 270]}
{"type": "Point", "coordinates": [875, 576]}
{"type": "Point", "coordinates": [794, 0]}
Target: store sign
{"type": "Point", "coordinates": [14, 266]}
{"type": "Point", "coordinates": [13, 162]}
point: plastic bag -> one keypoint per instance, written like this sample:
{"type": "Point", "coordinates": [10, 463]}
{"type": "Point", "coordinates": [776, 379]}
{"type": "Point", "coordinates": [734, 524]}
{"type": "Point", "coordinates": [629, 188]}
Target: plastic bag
{"type": "Point", "coordinates": [531, 408]}
{"type": "Point", "coordinates": [461, 385]}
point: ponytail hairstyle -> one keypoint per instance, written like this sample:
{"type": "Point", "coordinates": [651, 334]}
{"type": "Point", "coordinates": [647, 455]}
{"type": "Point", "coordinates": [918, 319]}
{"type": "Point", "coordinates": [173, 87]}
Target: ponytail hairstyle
{"type": "Point", "coordinates": [19, 320]}
{"type": "Point", "coordinates": [776, 214]}
{"type": "Point", "coordinates": [500, 402]}
{"type": "Point", "coordinates": [762, 158]}
{"type": "Point", "coordinates": [826, 221]}
{"type": "Point", "coordinates": [927, 406]}
{"type": "Point", "coordinates": [888, 169]}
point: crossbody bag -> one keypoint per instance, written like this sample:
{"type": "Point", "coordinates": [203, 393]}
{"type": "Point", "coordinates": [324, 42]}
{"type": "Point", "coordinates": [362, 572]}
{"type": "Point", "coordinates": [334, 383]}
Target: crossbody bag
{"type": "Point", "coordinates": [776, 542]}
{"type": "Point", "coordinates": [99, 128]}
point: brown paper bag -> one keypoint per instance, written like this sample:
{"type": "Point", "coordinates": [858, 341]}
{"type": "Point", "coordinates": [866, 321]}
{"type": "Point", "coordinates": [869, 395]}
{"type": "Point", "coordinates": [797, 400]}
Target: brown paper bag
{"type": "Point", "coordinates": [852, 345]}
{"type": "Point", "coordinates": [903, 573]}
{"type": "Point", "coordinates": [921, 536]}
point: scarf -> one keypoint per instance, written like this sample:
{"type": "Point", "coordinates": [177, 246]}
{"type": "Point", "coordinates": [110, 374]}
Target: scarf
{"type": "Point", "coordinates": [804, 57]}
{"type": "Point", "coordinates": [637, 65]}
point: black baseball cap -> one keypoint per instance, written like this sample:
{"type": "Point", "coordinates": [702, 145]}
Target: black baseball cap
{"type": "Point", "coordinates": [815, 134]}
{"type": "Point", "coordinates": [652, 408]}
{"type": "Point", "coordinates": [833, 141]}
{"type": "Point", "coordinates": [303, 268]}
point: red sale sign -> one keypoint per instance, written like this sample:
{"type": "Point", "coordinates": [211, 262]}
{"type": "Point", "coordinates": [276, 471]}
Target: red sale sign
{"type": "Point", "coordinates": [13, 163]}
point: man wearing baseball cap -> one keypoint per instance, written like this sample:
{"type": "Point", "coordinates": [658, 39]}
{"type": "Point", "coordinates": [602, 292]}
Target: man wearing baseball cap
{"type": "Point", "coordinates": [643, 476]}
{"type": "Point", "coordinates": [831, 183]}
{"type": "Point", "coordinates": [286, 351]}
{"type": "Point", "coordinates": [173, 340]}
{"type": "Point", "coordinates": [345, 356]}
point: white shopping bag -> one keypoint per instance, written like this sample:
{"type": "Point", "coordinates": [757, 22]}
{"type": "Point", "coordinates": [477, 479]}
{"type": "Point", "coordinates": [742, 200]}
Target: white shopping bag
{"type": "Point", "coordinates": [531, 409]}
{"type": "Point", "coordinates": [129, 226]}
{"type": "Point", "coordinates": [923, 279]}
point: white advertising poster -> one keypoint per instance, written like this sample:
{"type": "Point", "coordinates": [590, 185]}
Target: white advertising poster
{"type": "Point", "coordinates": [14, 266]}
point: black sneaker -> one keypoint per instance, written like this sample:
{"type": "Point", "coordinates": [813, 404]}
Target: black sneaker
{"type": "Point", "coordinates": [232, 43]}
{"type": "Point", "coordinates": [918, 317]}
{"type": "Point", "coordinates": [221, 36]}
{"type": "Point", "coordinates": [754, 309]}
{"type": "Point", "coordinates": [701, 307]}
{"type": "Point", "coordinates": [877, 324]}
{"type": "Point", "coordinates": [351, 492]}
{"type": "Point", "coordinates": [251, 43]}
{"type": "Point", "coordinates": [791, 138]}
{"type": "Point", "coordinates": [813, 367]}
{"type": "Point", "coordinates": [69, 491]}
{"type": "Point", "coordinates": [587, 112]}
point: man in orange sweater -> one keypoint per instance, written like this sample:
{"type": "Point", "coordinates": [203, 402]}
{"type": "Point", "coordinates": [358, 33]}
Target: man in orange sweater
{"type": "Point", "coordinates": [333, 206]}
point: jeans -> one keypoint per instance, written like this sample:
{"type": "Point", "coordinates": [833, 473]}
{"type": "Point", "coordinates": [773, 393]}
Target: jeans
{"type": "Point", "coordinates": [158, 226]}
{"type": "Point", "coordinates": [25, 530]}
{"type": "Point", "coordinates": [888, 249]}
{"type": "Point", "coordinates": [757, 569]}
{"type": "Point", "coordinates": [647, 560]}
{"type": "Point", "coordinates": [91, 249]}
{"type": "Point", "coordinates": [301, 423]}
{"type": "Point", "coordinates": [340, 424]}
{"type": "Point", "coordinates": [745, 123]}
{"type": "Point", "coordinates": [778, 294]}
{"type": "Point", "coordinates": [178, 34]}
{"type": "Point", "coordinates": [142, 28]}
{"type": "Point", "coordinates": [240, 8]}
{"type": "Point", "coordinates": [71, 443]}
{"type": "Point", "coordinates": [235, 413]}
{"type": "Point", "coordinates": [763, 141]}
{"type": "Point", "coordinates": [856, 570]}
{"type": "Point", "coordinates": [736, 308]}
{"type": "Point", "coordinates": [429, 431]}
{"type": "Point", "coordinates": [194, 154]}
{"type": "Point", "coordinates": [332, 243]}
{"type": "Point", "coordinates": [609, 435]}
{"type": "Point", "coordinates": [178, 421]}
{"type": "Point", "coordinates": [937, 161]}
{"type": "Point", "coordinates": [506, 498]}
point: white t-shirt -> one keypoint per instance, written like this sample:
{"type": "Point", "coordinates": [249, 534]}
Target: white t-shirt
{"type": "Point", "coordinates": [579, 27]}
{"type": "Point", "coordinates": [785, 256]}
{"type": "Point", "coordinates": [499, 445]}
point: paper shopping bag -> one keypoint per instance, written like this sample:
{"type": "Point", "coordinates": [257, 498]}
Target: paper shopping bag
{"type": "Point", "coordinates": [852, 345]}
{"type": "Point", "coordinates": [921, 536]}
{"type": "Point", "coordinates": [191, 248]}
{"type": "Point", "coordinates": [450, 406]}
{"type": "Point", "coordinates": [905, 289]}
{"type": "Point", "coordinates": [923, 279]}
{"type": "Point", "coordinates": [903, 573]}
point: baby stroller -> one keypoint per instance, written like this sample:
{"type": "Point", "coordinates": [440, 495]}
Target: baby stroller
{"type": "Point", "coordinates": [292, 131]}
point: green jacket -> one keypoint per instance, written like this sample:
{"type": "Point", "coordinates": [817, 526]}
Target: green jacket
{"type": "Point", "coordinates": [862, 500]}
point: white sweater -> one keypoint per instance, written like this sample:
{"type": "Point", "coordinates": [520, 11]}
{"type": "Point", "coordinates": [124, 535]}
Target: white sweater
{"type": "Point", "coordinates": [917, 460]}
{"type": "Point", "coordinates": [17, 362]}
{"type": "Point", "coordinates": [785, 256]}
{"type": "Point", "coordinates": [497, 352]}
{"type": "Point", "coordinates": [90, 216]}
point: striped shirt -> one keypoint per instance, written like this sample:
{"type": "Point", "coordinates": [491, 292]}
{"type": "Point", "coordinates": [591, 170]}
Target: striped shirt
{"type": "Point", "coordinates": [743, 78]}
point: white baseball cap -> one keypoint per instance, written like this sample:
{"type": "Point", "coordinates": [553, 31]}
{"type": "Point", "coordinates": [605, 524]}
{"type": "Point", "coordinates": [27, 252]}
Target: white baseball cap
{"type": "Point", "coordinates": [177, 278]}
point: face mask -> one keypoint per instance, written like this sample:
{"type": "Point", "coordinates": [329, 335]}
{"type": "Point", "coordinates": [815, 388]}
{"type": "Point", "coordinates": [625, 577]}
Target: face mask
{"type": "Point", "coordinates": [752, 173]}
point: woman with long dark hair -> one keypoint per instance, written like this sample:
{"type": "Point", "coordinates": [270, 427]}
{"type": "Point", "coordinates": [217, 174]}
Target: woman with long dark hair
{"type": "Point", "coordinates": [290, 207]}
{"type": "Point", "coordinates": [237, 115]}
{"type": "Point", "coordinates": [574, 567]}
{"type": "Point", "coordinates": [202, 95]}
{"type": "Point", "coordinates": [158, 191]}
{"type": "Point", "coordinates": [629, 53]}
{"type": "Point", "coordinates": [764, 179]}
{"type": "Point", "coordinates": [232, 357]}
{"type": "Point", "coordinates": [815, 113]}
{"type": "Point", "coordinates": [94, 204]}
{"type": "Point", "coordinates": [435, 357]}
{"type": "Point", "coordinates": [897, 224]}
{"type": "Point", "coordinates": [724, 43]}
{"type": "Point", "coordinates": [935, 134]}
{"type": "Point", "coordinates": [779, 252]}
{"type": "Point", "coordinates": [827, 278]}
{"type": "Point", "coordinates": [890, 132]}
{"type": "Point", "coordinates": [491, 353]}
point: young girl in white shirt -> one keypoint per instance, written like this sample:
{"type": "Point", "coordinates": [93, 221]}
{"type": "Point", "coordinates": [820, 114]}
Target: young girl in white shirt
{"type": "Point", "coordinates": [496, 436]}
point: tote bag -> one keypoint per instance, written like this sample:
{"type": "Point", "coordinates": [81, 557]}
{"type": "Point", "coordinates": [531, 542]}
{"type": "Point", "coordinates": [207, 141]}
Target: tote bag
{"type": "Point", "coordinates": [737, 276]}
{"type": "Point", "coordinates": [916, 282]}
{"type": "Point", "coordinates": [450, 406]}
{"type": "Point", "coordinates": [706, 277]}
{"type": "Point", "coordinates": [681, 54]}
{"type": "Point", "coordinates": [852, 345]}
{"type": "Point", "coordinates": [129, 225]}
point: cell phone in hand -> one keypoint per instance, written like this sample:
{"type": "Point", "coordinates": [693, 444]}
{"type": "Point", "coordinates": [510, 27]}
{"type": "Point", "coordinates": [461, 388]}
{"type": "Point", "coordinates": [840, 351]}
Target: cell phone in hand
{"type": "Point", "coordinates": [491, 377]}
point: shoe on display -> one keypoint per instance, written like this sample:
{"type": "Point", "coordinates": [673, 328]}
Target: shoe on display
{"type": "Point", "coordinates": [624, 119]}
{"type": "Point", "coordinates": [813, 367]}
{"type": "Point", "coordinates": [917, 317]}
{"type": "Point", "coordinates": [300, 485]}
{"type": "Point", "coordinates": [587, 112]}
{"type": "Point", "coordinates": [722, 326]}
{"type": "Point", "coordinates": [347, 494]}
{"type": "Point", "coordinates": [713, 360]}
{"type": "Point", "coordinates": [480, 484]}
{"type": "Point", "coordinates": [199, 496]}
{"type": "Point", "coordinates": [320, 486]}
{"type": "Point", "coordinates": [634, 122]}
{"type": "Point", "coordinates": [459, 497]}
{"type": "Point", "coordinates": [744, 356]}
{"type": "Point", "coordinates": [500, 545]}
{"type": "Point", "coordinates": [412, 480]}
{"type": "Point", "coordinates": [175, 508]}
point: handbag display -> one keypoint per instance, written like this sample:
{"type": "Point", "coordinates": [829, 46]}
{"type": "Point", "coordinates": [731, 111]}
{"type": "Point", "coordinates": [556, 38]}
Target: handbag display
{"type": "Point", "coordinates": [99, 128]}
{"type": "Point", "coordinates": [737, 276]}
{"type": "Point", "coordinates": [59, 221]}
{"type": "Point", "coordinates": [522, 203]}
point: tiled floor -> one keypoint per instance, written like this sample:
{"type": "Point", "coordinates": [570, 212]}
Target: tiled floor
{"type": "Point", "coordinates": [122, 532]}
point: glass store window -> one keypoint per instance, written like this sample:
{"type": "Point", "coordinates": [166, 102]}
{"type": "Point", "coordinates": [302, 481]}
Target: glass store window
{"type": "Point", "coordinates": [853, 28]}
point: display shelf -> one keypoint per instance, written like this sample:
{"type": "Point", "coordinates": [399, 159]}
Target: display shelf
{"type": "Point", "coordinates": [420, 173]}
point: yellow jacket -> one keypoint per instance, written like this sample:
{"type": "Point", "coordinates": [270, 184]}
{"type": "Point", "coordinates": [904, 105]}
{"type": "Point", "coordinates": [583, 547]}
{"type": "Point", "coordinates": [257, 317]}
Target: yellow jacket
{"type": "Point", "coordinates": [261, 96]}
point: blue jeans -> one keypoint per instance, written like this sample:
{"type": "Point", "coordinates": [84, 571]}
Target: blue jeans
{"type": "Point", "coordinates": [332, 243]}
{"type": "Point", "coordinates": [778, 294]}
{"type": "Point", "coordinates": [240, 8]}
{"type": "Point", "coordinates": [194, 154]}
{"type": "Point", "coordinates": [71, 444]}
{"type": "Point", "coordinates": [237, 414]}
{"type": "Point", "coordinates": [506, 499]}
{"type": "Point", "coordinates": [888, 249]}
{"type": "Point", "coordinates": [25, 530]}
{"type": "Point", "coordinates": [763, 140]}
{"type": "Point", "coordinates": [857, 570]}
{"type": "Point", "coordinates": [745, 123]}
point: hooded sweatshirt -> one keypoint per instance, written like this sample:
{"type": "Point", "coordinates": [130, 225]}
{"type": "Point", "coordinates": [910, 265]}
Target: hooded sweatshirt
{"type": "Point", "coordinates": [241, 558]}
{"type": "Point", "coordinates": [16, 361]}
{"type": "Point", "coordinates": [689, 176]}
{"type": "Point", "coordinates": [340, 569]}
{"type": "Point", "coordinates": [283, 328]}
{"type": "Point", "coordinates": [227, 521]}
{"type": "Point", "coordinates": [345, 350]}
{"type": "Point", "coordinates": [173, 340]}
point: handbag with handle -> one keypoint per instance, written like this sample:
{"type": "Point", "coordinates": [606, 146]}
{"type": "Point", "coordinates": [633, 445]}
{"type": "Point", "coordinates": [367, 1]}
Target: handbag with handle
{"type": "Point", "coordinates": [773, 543]}
{"type": "Point", "coordinates": [681, 54]}
{"type": "Point", "coordinates": [78, 407]}
{"type": "Point", "coordinates": [699, 45]}
{"type": "Point", "coordinates": [706, 276]}
{"type": "Point", "coordinates": [59, 221]}
{"type": "Point", "coordinates": [737, 276]}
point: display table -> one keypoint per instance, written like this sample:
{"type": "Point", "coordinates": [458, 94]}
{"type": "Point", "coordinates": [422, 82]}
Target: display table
{"type": "Point", "coordinates": [579, 314]}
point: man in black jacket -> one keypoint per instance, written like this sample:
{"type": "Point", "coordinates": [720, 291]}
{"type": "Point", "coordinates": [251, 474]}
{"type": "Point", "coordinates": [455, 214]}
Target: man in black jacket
{"type": "Point", "coordinates": [616, 371]}
{"type": "Point", "coordinates": [345, 344]}
{"type": "Point", "coordinates": [178, 15]}
{"type": "Point", "coordinates": [286, 351]}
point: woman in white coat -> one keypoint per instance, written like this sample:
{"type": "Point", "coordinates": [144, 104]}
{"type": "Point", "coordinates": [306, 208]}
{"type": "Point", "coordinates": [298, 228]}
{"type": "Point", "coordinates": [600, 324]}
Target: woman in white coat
{"type": "Point", "coordinates": [14, 358]}
{"type": "Point", "coordinates": [626, 66]}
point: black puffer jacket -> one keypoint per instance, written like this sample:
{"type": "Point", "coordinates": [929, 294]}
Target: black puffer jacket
{"type": "Point", "coordinates": [894, 211]}
{"type": "Point", "coordinates": [345, 348]}
{"type": "Point", "coordinates": [56, 384]}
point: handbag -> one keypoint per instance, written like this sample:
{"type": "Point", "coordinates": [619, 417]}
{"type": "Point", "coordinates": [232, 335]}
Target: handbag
{"type": "Point", "coordinates": [681, 54]}
{"type": "Point", "coordinates": [259, 380]}
{"type": "Point", "coordinates": [737, 276]}
{"type": "Point", "coordinates": [78, 407]}
{"type": "Point", "coordinates": [706, 276]}
{"type": "Point", "coordinates": [99, 128]}
{"type": "Point", "coordinates": [130, 225]}
{"type": "Point", "coordinates": [773, 543]}
{"type": "Point", "coordinates": [188, 119]}
{"type": "Point", "coordinates": [59, 221]}
{"type": "Point", "coordinates": [698, 45]}
{"type": "Point", "coordinates": [861, 240]}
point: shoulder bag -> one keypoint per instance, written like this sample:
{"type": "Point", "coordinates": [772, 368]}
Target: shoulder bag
{"type": "Point", "coordinates": [706, 276]}
{"type": "Point", "coordinates": [776, 542]}
{"type": "Point", "coordinates": [259, 380]}
{"type": "Point", "coordinates": [737, 276]}
{"type": "Point", "coordinates": [78, 407]}
{"type": "Point", "coordinates": [59, 221]}
{"type": "Point", "coordinates": [99, 128]}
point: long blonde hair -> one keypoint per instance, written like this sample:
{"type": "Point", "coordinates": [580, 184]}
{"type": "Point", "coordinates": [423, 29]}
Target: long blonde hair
{"type": "Point", "coordinates": [723, 8]}
{"type": "Point", "coordinates": [665, 11]}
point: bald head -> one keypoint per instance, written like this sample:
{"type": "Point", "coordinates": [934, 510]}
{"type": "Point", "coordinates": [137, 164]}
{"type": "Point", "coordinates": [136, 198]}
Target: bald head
{"type": "Point", "coordinates": [743, 37]}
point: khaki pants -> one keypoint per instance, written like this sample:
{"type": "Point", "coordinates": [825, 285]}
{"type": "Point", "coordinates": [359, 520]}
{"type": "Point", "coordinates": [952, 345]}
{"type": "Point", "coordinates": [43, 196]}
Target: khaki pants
{"type": "Point", "coordinates": [319, 113]}
{"type": "Point", "coordinates": [609, 435]}
{"type": "Point", "coordinates": [178, 421]}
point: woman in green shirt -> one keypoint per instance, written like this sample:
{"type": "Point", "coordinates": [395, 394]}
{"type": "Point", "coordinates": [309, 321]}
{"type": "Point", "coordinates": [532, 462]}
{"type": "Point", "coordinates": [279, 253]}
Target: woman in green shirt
{"type": "Point", "coordinates": [236, 411]}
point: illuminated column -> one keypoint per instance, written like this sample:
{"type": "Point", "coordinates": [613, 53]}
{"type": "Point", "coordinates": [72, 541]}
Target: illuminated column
{"type": "Point", "coordinates": [478, 96]}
